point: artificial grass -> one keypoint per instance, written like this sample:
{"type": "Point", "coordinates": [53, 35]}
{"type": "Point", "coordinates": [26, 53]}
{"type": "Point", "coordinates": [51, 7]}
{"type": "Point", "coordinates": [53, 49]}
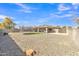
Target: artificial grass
{"type": "Point", "coordinates": [31, 33]}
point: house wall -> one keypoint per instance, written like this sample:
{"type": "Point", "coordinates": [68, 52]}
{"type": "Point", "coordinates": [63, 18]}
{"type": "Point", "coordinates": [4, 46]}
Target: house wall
{"type": "Point", "coordinates": [51, 30]}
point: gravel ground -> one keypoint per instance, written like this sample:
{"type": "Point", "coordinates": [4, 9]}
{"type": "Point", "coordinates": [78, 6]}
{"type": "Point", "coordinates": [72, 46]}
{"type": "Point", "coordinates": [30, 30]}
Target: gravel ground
{"type": "Point", "coordinates": [8, 47]}
{"type": "Point", "coordinates": [47, 44]}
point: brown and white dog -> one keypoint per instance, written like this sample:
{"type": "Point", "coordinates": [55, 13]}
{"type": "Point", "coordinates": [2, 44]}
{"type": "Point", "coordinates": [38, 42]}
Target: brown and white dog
{"type": "Point", "coordinates": [30, 52]}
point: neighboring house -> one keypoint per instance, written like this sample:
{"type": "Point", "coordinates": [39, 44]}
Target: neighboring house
{"type": "Point", "coordinates": [46, 29]}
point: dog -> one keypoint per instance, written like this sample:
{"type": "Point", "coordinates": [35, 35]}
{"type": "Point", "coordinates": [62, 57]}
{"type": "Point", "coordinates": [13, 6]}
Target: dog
{"type": "Point", "coordinates": [30, 52]}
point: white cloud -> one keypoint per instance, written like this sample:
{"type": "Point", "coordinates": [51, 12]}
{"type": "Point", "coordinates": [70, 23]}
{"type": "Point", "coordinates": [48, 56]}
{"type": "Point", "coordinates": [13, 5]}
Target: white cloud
{"type": "Point", "coordinates": [43, 20]}
{"type": "Point", "coordinates": [53, 16]}
{"type": "Point", "coordinates": [67, 15]}
{"type": "Point", "coordinates": [3, 16]}
{"type": "Point", "coordinates": [25, 9]}
{"type": "Point", "coordinates": [61, 7]}
{"type": "Point", "coordinates": [22, 5]}
{"type": "Point", "coordinates": [75, 5]}
{"type": "Point", "coordinates": [22, 23]}
{"type": "Point", "coordinates": [61, 16]}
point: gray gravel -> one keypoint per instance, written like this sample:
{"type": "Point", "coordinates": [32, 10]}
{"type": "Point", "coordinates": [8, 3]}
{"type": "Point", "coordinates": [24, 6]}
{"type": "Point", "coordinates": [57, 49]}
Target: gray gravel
{"type": "Point", "coordinates": [47, 44]}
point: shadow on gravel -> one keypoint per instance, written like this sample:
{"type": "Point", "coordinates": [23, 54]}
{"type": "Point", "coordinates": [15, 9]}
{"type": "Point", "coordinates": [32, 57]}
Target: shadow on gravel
{"type": "Point", "coordinates": [8, 47]}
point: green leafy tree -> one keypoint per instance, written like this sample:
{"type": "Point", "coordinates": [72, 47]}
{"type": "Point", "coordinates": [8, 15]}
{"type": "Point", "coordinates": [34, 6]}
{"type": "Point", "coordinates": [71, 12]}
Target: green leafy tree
{"type": "Point", "coordinates": [8, 23]}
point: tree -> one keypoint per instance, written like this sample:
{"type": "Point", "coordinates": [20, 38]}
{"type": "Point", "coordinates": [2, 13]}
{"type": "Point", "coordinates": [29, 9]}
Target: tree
{"type": "Point", "coordinates": [1, 26]}
{"type": "Point", "coordinates": [8, 23]}
{"type": "Point", "coordinates": [76, 20]}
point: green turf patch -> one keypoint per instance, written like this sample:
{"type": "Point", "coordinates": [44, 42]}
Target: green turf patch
{"type": "Point", "coordinates": [31, 33]}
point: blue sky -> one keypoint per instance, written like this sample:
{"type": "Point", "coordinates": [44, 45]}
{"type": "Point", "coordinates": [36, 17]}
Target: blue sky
{"type": "Point", "coordinates": [40, 13]}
